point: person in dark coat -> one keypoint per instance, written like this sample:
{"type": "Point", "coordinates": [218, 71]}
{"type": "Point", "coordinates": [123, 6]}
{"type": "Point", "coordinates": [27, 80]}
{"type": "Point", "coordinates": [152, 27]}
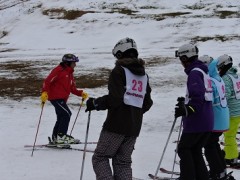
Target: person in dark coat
{"type": "Point", "coordinates": [129, 97]}
{"type": "Point", "coordinates": [197, 115]}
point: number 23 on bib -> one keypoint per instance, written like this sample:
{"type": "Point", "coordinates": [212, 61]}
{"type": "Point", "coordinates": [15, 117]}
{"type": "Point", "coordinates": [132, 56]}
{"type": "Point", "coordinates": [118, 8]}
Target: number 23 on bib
{"type": "Point", "coordinates": [135, 89]}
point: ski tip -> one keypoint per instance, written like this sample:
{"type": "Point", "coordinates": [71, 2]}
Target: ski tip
{"type": "Point", "coordinates": [151, 175]}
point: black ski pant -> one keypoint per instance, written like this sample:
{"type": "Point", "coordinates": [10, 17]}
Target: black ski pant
{"type": "Point", "coordinates": [63, 117]}
{"type": "Point", "coordinates": [117, 147]}
{"type": "Point", "coordinates": [214, 155]}
{"type": "Point", "coordinates": [192, 164]}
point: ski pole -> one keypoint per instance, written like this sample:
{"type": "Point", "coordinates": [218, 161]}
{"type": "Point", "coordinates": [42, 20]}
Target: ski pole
{"type": "Point", "coordinates": [85, 145]}
{"type": "Point", "coordinates": [77, 116]}
{"type": "Point", "coordinates": [159, 164]}
{"type": "Point", "coordinates": [179, 134]}
{"type": "Point", "coordinates": [38, 127]}
{"type": "Point", "coordinates": [180, 101]}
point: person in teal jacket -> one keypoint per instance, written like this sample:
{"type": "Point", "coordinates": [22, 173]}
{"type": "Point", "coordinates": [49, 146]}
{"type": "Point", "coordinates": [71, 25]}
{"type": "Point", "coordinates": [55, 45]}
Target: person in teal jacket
{"type": "Point", "coordinates": [232, 84]}
{"type": "Point", "coordinates": [213, 152]}
{"type": "Point", "coordinates": [220, 107]}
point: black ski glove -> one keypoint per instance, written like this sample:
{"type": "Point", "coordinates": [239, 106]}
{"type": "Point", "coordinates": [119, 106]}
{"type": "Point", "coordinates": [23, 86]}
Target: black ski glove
{"type": "Point", "coordinates": [90, 104]}
{"type": "Point", "coordinates": [181, 100]}
{"type": "Point", "coordinates": [181, 109]}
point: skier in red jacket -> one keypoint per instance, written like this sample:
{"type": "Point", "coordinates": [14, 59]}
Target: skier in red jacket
{"type": "Point", "coordinates": [56, 88]}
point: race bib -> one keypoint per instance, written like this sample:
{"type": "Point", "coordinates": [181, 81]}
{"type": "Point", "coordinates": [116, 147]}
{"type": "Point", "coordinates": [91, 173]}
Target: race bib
{"type": "Point", "coordinates": [135, 89]}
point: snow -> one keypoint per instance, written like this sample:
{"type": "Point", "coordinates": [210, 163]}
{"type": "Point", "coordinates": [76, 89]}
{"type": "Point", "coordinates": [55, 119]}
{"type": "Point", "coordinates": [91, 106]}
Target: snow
{"type": "Point", "coordinates": [34, 36]}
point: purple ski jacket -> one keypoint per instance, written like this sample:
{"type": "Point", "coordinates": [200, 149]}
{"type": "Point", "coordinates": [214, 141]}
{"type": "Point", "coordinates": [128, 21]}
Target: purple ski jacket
{"type": "Point", "coordinates": [202, 120]}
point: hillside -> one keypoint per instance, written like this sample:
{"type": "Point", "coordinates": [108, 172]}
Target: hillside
{"type": "Point", "coordinates": [34, 35]}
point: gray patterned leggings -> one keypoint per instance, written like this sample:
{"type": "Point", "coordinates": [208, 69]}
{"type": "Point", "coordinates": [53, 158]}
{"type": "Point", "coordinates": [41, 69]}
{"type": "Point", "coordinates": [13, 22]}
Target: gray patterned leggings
{"type": "Point", "coordinates": [117, 147]}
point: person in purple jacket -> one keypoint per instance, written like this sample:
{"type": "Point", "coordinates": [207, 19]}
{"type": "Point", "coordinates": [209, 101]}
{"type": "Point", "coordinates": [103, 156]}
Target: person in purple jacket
{"type": "Point", "coordinates": [197, 115]}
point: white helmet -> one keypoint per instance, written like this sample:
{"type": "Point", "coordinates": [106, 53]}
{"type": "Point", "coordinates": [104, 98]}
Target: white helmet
{"type": "Point", "coordinates": [224, 60]}
{"type": "Point", "coordinates": [206, 59]}
{"type": "Point", "coordinates": [188, 50]}
{"type": "Point", "coordinates": [124, 45]}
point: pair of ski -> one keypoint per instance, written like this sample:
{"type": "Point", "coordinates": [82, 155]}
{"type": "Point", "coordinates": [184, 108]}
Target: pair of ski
{"type": "Point", "coordinates": [175, 173]}
{"type": "Point", "coordinates": [160, 178]}
{"type": "Point", "coordinates": [163, 170]}
{"type": "Point", "coordinates": [157, 178]}
{"type": "Point", "coordinates": [51, 145]}
{"type": "Point", "coordinates": [229, 167]}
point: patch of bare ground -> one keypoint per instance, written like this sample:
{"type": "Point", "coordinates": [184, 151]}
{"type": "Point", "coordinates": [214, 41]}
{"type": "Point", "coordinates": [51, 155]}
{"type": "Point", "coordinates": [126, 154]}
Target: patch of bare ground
{"type": "Point", "coordinates": [60, 13]}
{"type": "Point", "coordinates": [221, 38]}
{"type": "Point", "coordinates": [20, 79]}
{"type": "Point", "coordinates": [157, 61]}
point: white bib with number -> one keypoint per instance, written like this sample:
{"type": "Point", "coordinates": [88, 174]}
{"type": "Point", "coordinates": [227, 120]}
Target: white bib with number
{"type": "Point", "coordinates": [221, 91]}
{"type": "Point", "coordinates": [135, 89]}
{"type": "Point", "coordinates": [236, 86]}
{"type": "Point", "coordinates": [208, 87]}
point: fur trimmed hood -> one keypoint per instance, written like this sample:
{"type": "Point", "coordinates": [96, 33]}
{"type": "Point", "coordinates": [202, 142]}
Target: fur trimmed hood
{"type": "Point", "coordinates": [136, 66]}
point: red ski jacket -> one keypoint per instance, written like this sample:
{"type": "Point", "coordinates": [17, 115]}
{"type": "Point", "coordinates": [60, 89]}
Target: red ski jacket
{"type": "Point", "coordinates": [60, 83]}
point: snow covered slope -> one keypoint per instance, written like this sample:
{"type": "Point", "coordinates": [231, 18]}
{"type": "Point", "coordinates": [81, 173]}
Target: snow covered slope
{"type": "Point", "coordinates": [43, 30]}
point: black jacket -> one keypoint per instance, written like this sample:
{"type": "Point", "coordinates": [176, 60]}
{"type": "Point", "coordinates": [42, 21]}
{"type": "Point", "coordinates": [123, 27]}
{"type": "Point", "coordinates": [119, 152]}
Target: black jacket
{"type": "Point", "coordinates": [121, 118]}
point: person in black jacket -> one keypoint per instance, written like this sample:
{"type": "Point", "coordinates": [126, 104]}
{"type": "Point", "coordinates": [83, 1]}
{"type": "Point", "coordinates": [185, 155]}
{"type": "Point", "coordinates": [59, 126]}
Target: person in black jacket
{"type": "Point", "coordinates": [129, 97]}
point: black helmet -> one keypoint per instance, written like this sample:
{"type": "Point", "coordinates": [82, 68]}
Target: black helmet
{"type": "Point", "coordinates": [70, 58]}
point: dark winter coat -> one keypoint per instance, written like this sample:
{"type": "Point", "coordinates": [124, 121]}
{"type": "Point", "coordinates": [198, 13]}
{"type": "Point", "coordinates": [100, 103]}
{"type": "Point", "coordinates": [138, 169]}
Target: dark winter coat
{"type": "Point", "coordinates": [121, 118]}
{"type": "Point", "coordinates": [202, 120]}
